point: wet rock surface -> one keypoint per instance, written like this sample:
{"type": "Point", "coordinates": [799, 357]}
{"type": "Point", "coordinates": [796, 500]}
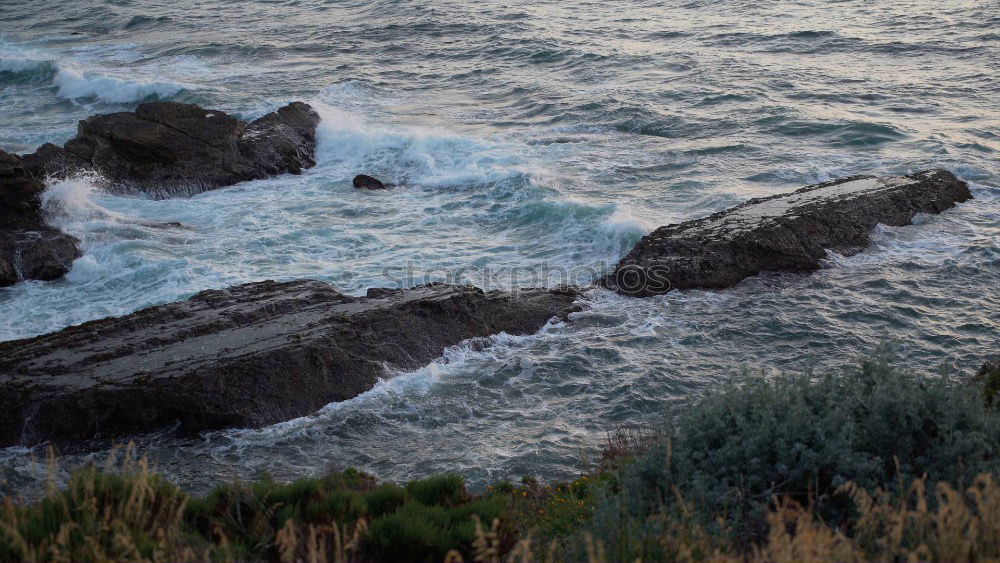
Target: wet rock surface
{"type": "Point", "coordinates": [783, 233]}
{"type": "Point", "coordinates": [365, 182]}
{"type": "Point", "coordinates": [29, 248]}
{"type": "Point", "coordinates": [245, 356]}
{"type": "Point", "coordinates": [168, 148]}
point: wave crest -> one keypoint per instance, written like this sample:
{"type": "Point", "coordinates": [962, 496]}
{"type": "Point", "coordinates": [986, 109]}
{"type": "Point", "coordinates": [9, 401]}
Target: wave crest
{"type": "Point", "coordinates": [73, 84]}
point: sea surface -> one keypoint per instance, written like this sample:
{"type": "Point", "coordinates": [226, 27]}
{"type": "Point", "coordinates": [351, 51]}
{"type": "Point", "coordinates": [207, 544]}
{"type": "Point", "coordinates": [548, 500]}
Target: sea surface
{"type": "Point", "coordinates": [536, 142]}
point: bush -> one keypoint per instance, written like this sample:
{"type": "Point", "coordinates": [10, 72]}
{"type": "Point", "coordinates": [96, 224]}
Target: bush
{"type": "Point", "coordinates": [385, 499]}
{"type": "Point", "coordinates": [417, 532]}
{"type": "Point", "coordinates": [801, 436]}
{"type": "Point", "coordinates": [441, 490]}
{"type": "Point", "coordinates": [989, 378]}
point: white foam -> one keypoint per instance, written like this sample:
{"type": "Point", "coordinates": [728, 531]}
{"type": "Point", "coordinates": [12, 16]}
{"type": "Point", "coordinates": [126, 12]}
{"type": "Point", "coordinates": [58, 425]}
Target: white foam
{"type": "Point", "coordinates": [75, 84]}
{"type": "Point", "coordinates": [401, 388]}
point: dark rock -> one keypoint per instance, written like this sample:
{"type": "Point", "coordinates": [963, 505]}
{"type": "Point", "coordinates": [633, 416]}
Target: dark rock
{"type": "Point", "coordinates": [783, 233]}
{"type": "Point", "coordinates": [246, 356]}
{"type": "Point", "coordinates": [362, 181]}
{"type": "Point", "coordinates": [165, 225]}
{"type": "Point", "coordinates": [29, 248]}
{"type": "Point", "coordinates": [168, 148]}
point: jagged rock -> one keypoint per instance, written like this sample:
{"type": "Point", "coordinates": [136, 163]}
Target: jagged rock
{"type": "Point", "coordinates": [783, 233]}
{"type": "Point", "coordinates": [29, 248]}
{"type": "Point", "coordinates": [362, 181]}
{"type": "Point", "coordinates": [245, 356]}
{"type": "Point", "coordinates": [169, 148]}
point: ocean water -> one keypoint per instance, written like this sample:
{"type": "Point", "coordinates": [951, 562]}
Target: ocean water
{"type": "Point", "coordinates": [536, 143]}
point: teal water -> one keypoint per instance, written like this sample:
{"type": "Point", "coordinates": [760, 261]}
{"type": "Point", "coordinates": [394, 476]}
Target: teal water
{"type": "Point", "coordinates": [537, 141]}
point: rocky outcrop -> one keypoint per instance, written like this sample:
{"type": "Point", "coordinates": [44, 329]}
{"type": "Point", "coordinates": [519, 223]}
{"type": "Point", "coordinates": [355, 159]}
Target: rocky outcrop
{"type": "Point", "coordinates": [365, 182]}
{"type": "Point", "coordinates": [783, 233]}
{"type": "Point", "coordinates": [168, 148]}
{"type": "Point", "coordinates": [246, 356]}
{"type": "Point", "coordinates": [161, 149]}
{"type": "Point", "coordinates": [29, 248]}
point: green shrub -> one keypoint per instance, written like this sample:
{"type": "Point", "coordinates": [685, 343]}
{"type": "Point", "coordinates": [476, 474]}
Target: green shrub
{"type": "Point", "coordinates": [989, 378]}
{"type": "Point", "coordinates": [414, 532]}
{"type": "Point", "coordinates": [440, 490]}
{"type": "Point", "coordinates": [385, 499]}
{"type": "Point", "coordinates": [732, 450]}
{"type": "Point", "coordinates": [418, 532]}
{"type": "Point", "coordinates": [342, 505]}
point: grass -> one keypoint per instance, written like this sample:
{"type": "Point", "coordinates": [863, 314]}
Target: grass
{"type": "Point", "coordinates": [873, 465]}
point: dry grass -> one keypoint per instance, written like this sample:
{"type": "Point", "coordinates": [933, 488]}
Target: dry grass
{"type": "Point", "coordinates": [952, 526]}
{"type": "Point", "coordinates": [312, 544]}
{"type": "Point", "coordinates": [626, 442]}
{"type": "Point", "coordinates": [126, 513]}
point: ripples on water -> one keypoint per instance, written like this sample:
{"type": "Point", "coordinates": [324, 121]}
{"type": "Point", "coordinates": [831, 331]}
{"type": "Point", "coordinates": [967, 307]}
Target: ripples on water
{"type": "Point", "coordinates": [539, 135]}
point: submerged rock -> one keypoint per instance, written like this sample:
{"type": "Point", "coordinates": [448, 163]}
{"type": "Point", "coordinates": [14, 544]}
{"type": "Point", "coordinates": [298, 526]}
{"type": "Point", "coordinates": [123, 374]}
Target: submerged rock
{"type": "Point", "coordinates": [782, 233]}
{"type": "Point", "coordinates": [362, 181]}
{"type": "Point", "coordinates": [245, 356]}
{"type": "Point", "coordinates": [169, 148]}
{"type": "Point", "coordinates": [29, 248]}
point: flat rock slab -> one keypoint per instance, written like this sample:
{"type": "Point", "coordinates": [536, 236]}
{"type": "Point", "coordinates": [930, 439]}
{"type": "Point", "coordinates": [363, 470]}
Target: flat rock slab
{"type": "Point", "coordinates": [245, 356]}
{"type": "Point", "coordinates": [783, 233]}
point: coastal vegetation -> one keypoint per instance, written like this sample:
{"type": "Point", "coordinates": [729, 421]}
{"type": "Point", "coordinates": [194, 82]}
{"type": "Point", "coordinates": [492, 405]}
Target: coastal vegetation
{"type": "Point", "coordinates": [873, 464]}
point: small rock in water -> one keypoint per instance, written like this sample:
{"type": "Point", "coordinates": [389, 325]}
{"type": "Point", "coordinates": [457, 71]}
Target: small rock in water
{"type": "Point", "coordinates": [362, 181]}
{"type": "Point", "coordinates": [165, 225]}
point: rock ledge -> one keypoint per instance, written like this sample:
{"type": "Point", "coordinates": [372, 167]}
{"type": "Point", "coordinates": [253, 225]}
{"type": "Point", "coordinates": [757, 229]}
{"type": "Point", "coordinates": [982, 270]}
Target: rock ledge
{"type": "Point", "coordinates": [783, 233]}
{"type": "Point", "coordinates": [245, 356]}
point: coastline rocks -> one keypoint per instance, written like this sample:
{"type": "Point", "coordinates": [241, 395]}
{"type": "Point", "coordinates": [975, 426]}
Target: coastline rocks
{"type": "Point", "coordinates": [362, 181]}
{"type": "Point", "coordinates": [29, 248]}
{"type": "Point", "coordinates": [783, 233]}
{"type": "Point", "coordinates": [161, 149]}
{"type": "Point", "coordinates": [168, 148]}
{"type": "Point", "coordinates": [245, 356]}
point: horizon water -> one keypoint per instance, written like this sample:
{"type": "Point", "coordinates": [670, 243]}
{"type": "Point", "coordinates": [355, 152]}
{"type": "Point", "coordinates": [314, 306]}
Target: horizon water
{"type": "Point", "coordinates": [535, 143]}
